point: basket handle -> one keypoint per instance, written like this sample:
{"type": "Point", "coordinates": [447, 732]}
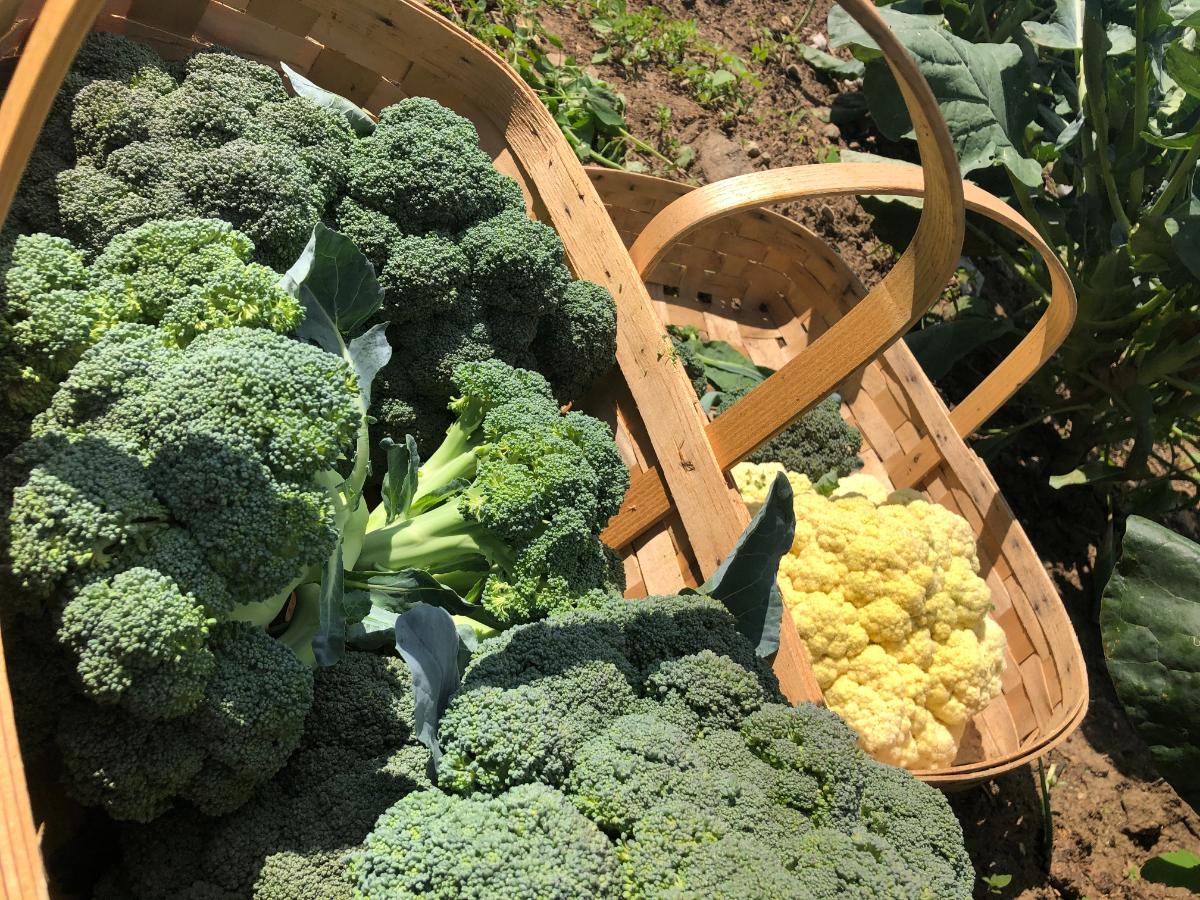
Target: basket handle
{"type": "Point", "coordinates": [906, 180]}
{"type": "Point", "coordinates": [646, 494]}
{"type": "Point", "coordinates": [892, 307]}
{"type": "Point", "coordinates": [1026, 358]}
{"type": "Point", "coordinates": [60, 28]}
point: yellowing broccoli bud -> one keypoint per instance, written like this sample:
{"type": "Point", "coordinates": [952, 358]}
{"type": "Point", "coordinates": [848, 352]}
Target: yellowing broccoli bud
{"type": "Point", "coordinates": [883, 588]}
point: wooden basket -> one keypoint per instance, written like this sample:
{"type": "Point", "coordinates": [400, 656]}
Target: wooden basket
{"type": "Point", "coordinates": [770, 287]}
{"type": "Point", "coordinates": [683, 514]}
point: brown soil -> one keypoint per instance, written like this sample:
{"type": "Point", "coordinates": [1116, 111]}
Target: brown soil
{"type": "Point", "coordinates": [1111, 812]}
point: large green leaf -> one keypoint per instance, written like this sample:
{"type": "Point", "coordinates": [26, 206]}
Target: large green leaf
{"type": "Point", "coordinates": [1064, 31]}
{"type": "Point", "coordinates": [745, 581]}
{"type": "Point", "coordinates": [1150, 622]}
{"type": "Point", "coordinates": [939, 346]}
{"type": "Point", "coordinates": [981, 89]}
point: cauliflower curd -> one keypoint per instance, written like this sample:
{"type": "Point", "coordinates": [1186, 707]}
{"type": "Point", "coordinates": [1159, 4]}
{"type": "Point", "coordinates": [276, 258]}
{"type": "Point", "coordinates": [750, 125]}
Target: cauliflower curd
{"type": "Point", "coordinates": [884, 589]}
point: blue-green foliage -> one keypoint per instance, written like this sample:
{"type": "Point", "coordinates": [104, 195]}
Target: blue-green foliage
{"type": "Point", "coordinates": [356, 758]}
{"type": "Point", "coordinates": [656, 720]}
{"type": "Point", "coordinates": [171, 498]}
{"type": "Point", "coordinates": [509, 508]}
{"type": "Point", "coordinates": [467, 276]}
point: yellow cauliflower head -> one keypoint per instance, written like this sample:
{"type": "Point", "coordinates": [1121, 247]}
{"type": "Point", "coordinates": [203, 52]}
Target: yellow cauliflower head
{"type": "Point", "coordinates": [883, 588]}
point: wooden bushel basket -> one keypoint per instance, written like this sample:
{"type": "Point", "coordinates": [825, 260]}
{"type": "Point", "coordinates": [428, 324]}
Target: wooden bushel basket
{"type": "Point", "coordinates": [770, 287]}
{"type": "Point", "coordinates": [682, 514]}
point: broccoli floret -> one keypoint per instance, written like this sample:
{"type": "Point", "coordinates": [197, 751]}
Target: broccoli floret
{"type": "Point", "coordinates": [817, 443]}
{"type": "Point", "coordinates": [818, 756]}
{"type": "Point", "coordinates": [190, 276]}
{"type": "Point", "coordinates": [677, 850]}
{"type": "Point", "coordinates": [139, 641]}
{"type": "Point", "coordinates": [226, 142]}
{"type": "Point", "coordinates": [685, 342]}
{"type": "Point", "coordinates": [627, 769]}
{"type": "Point", "coordinates": [918, 822]}
{"type": "Point", "coordinates": [133, 768]}
{"type": "Point", "coordinates": [238, 736]}
{"type": "Point", "coordinates": [516, 494]}
{"type": "Point", "coordinates": [496, 737]}
{"type": "Point", "coordinates": [357, 757]}
{"type": "Point", "coordinates": [423, 167]}
{"type": "Point", "coordinates": [187, 276]}
{"type": "Point", "coordinates": [720, 692]}
{"type": "Point", "coordinates": [528, 842]}
{"type": "Point", "coordinates": [576, 343]}
{"type": "Point", "coordinates": [832, 864]}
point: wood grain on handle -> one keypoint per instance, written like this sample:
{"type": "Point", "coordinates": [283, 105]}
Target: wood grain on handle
{"type": "Point", "coordinates": [60, 28]}
{"type": "Point", "coordinates": [1026, 358]}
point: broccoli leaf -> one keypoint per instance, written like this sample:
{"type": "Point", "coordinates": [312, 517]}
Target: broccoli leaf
{"type": "Point", "coordinates": [983, 89]}
{"type": "Point", "coordinates": [358, 118]}
{"type": "Point", "coordinates": [410, 586]}
{"type": "Point", "coordinates": [338, 276]}
{"type": "Point", "coordinates": [745, 581]}
{"type": "Point", "coordinates": [369, 352]}
{"type": "Point", "coordinates": [1150, 624]}
{"type": "Point", "coordinates": [337, 607]}
{"type": "Point", "coordinates": [400, 480]}
{"type": "Point", "coordinates": [427, 638]}
{"type": "Point", "coordinates": [378, 627]}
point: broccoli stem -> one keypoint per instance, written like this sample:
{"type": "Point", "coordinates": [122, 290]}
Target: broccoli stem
{"type": "Point", "coordinates": [453, 459]}
{"type": "Point", "coordinates": [436, 538]}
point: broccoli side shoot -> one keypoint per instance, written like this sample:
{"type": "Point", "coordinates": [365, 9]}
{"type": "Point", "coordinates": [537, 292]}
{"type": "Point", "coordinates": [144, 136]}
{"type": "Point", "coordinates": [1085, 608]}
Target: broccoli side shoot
{"type": "Point", "coordinates": [508, 509]}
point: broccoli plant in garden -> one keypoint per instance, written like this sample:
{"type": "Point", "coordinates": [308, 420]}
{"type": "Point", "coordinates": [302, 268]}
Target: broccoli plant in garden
{"type": "Point", "coordinates": [1150, 623]}
{"type": "Point", "coordinates": [1085, 116]}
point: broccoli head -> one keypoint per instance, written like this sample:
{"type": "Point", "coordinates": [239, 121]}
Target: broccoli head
{"type": "Point", "coordinates": [241, 732]}
{"type": "Point", "coordinates": [509, 508]}
{"type": "Point", "coordinates": [224, 141]}
{"type": "Point", "coordinates": [187, 276]}
{"type": "Point", "coordinates": [657, 722]}
{"type": "Point", "coordinates": [467, 276]}
{"type": "Point", "coordinates": [527, 842]}
{"type": "Point", "coordinates": [817, 443]}
{"type": "Point", "coordinates": [356, 758]}
{"type": "Point", "coordinates": [173, 498]}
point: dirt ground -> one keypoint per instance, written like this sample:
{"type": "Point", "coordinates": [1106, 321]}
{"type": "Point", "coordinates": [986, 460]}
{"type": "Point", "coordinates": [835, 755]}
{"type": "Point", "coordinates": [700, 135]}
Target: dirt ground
{"type": "Point", "coordinates": [1110, 810]}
